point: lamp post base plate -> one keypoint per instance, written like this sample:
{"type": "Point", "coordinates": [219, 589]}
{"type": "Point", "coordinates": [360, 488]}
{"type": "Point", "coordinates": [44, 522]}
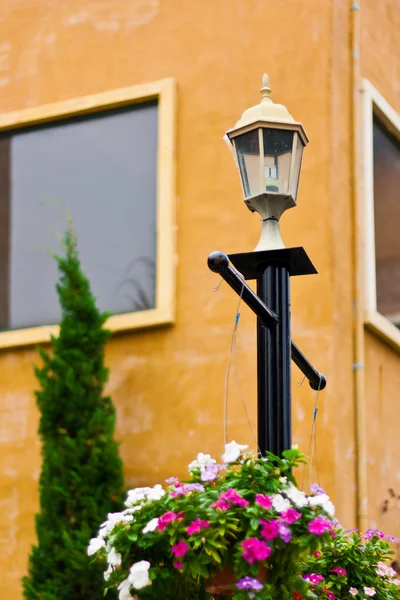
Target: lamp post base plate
{"type": "Point", "coordinates": [296, 260]}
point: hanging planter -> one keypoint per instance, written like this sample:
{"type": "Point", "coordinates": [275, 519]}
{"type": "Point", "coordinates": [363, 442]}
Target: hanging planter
{"type": "Point", "coordinates": [242, 529]}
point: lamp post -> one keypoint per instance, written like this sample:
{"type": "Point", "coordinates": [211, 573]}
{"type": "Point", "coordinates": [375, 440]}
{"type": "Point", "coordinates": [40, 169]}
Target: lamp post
{"type": "Point", "coordinates": [268, 147]}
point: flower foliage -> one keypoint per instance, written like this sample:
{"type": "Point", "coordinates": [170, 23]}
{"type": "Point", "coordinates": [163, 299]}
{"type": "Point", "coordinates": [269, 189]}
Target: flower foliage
{"type": "Point", "coordinates": [353, 566]}
{"type": "Point", "coordinates": [246, 514]}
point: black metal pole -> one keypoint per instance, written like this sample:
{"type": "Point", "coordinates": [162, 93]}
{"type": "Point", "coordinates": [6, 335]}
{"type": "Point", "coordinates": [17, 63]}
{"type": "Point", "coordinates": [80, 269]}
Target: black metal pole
{"type": "Point", "coordinates": [273, 363]}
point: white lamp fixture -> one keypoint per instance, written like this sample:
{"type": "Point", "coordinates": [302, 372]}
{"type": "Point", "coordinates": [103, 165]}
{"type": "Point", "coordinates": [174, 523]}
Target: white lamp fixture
{"type": "Point", "coordinates": [268, 145]}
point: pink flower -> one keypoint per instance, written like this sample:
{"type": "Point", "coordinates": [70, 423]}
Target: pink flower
{"type": "Point", "coordinates": [290, 515]}
{"type": "Point", "coordinates": [264, 501]}
{"type": "Point", "coordinates": [369, 591]}
{"type": "Point", "coordinates": [221, 504]}
{"type": "Point", "coordinates": [255, 549]}
{"type": "Point", "coordinates": [314, 578]}
{"type": "Point", "coordinates": [196, 526]}
{"type": "Point", "coordinates": [270, 529]}
{"type": "Point", "coordinates": [319, 525]}
{"type": "Point", "coordinates": [178, 564]}
{"type": "Point", "coordinates": [331, 595]}
{"type": "Point", "coordinates": [167, 518]}
{"type": "Point", "coordinates": [233, 497]}
{"type": "Point", "coordinates": [317, 554]}
{"type": "Point", "coordinates": [180, 549]}
{"type": "Point", "coordinates": [339, 571]}
{"type": "Point", "coordinates": [353, 591]}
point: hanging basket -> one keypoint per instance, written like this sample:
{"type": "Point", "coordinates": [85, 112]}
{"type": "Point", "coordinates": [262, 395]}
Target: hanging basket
{"type": "Point", "coordinates": [223, 582]}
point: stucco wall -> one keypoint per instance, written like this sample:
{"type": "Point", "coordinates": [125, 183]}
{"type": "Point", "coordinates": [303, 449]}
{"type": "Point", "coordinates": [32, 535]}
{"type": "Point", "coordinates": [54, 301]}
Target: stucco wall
{"type": "Point", "coordinates": [168, 385]}
{"type": "Point", "coordinates": [380, 64]}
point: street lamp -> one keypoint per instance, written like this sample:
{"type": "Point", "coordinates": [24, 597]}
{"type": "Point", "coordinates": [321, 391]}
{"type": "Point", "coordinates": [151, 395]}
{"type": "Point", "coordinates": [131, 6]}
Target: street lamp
{"type": "Point", "coordinates": [268, 147]}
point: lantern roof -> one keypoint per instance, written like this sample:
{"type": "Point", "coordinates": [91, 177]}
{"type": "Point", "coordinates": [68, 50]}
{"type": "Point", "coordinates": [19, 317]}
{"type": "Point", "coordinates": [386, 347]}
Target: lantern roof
{"type": "Point", "coordinates": [268, 112]}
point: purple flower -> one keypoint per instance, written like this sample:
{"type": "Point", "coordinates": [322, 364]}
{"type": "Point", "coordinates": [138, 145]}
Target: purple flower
{"type": "Point", "coordinates": [370, 533]}
{"type": "Point", "coordinates": [210, 473]}
{"type": "Point", "coordinates": [181, 489]}
{"type": "Point", "coordinates": [391, 538]}
{"type": "Point", "coordinates": [314, 578]}
{"type": "Point", "coordinates": [172, 480]}
{"type": "Point", "coordinates": [317, 490]}
{"type": "Point", "coordinates": [255, 549]}
{"type": "Point", "coordinates": [339, 571]}
{"type": "Point", "coordinates": [249, 583]}
{"type": "Point", "coordinates": [284, 532]}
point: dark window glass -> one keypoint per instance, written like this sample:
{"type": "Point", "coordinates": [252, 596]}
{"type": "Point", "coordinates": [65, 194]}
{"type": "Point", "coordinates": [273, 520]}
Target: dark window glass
{"type": "Point", "coordinates": [101, 169]}
{"type": "Point", "coordinates": [387, 221]}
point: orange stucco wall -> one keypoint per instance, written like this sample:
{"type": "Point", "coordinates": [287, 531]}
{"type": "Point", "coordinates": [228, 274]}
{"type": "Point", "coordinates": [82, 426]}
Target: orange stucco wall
{"type": "Point", "coordinates": [168, 385]}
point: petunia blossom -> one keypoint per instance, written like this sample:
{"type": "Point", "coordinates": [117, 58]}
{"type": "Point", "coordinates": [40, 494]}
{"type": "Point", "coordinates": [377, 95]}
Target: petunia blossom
{"type": "Point", "coordinates": [270, 529]}
{"type": "Point", "coordinates": [339, 571]}
{"type": "Point", "coordinates": [233, 497]}
{"type": "Point", "coordinates": [255, 549]}
{"type": "Point", "coordinates": [319, 526]}
{"type": "Point", "coordinates": [314, 578]}
{"type": "Point", "coordinates": [221, 504]}
{"type": "Point", "coordinates": [232, 452]}
{"type": "Point", "coordinates": [353, 591]}
{"type": "Point", "coordinates": [196, 526]}
{"type": "Point", "coordinates": [180, 549]}
{"type": "Point", "coordinates": [290, 515]}
{"type": "Point", "coordinates": [249, 583]}
{"type": "Point", "coordinates": [264, 501]}
{"type": "Point", "coordinates": [210, 473]}
{"type": "Point", "coordinates": [166, 519]}
{"type": "Point", "coordinates": [369, 591]}
{"type": "Point", "coordinates": [279, 503]}
{"type": "Point", "coordinates": [284, 532]}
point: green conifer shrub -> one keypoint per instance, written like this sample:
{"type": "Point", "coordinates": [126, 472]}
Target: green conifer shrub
{"type": "Point", "coordinates": [81, 479]}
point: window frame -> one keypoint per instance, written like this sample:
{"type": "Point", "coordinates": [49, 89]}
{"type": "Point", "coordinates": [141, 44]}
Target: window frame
{"type": "Point", "coordinates": [164, 92]}
{"type": "Point", "coordinates": [373, 104]}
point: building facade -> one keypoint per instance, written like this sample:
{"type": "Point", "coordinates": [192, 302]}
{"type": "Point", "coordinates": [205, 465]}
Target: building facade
{"type": "Point", "coordinates": [116, 111]}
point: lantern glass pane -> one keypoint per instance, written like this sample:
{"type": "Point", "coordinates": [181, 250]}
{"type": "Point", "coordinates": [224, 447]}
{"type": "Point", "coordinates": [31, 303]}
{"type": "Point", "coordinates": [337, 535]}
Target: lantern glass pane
{"type": "Point", "coordinates": [298, 155]}
{"type": "Point", "coordinates": [248, 154]}
{"type": "Point", "coordinates": [278, 145]}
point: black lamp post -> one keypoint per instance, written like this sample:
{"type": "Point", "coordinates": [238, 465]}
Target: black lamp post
{"type": "Point", "coordinates": [268, 146]}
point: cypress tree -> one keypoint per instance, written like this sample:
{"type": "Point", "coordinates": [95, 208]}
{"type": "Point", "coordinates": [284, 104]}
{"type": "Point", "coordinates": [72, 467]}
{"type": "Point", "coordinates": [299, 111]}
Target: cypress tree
{"type": "Point", "coordinates": [81, 479]}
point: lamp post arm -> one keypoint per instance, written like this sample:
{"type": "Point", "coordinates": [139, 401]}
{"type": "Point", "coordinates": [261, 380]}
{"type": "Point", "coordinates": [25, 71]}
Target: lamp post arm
{"type": "Point", "coordinates": [218, 262]}
{"type": "Point", "coordinates": [316, 379]}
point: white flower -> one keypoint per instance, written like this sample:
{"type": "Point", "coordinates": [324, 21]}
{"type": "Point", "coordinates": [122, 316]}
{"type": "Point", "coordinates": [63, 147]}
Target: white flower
{"type": "Point", "coordinates": [94, 545]}
{"type": "Point", "coordinates": [156, 493]}
{"type": "Point", "coordinates": [108, 572]}
{"type": "Point", "coordinates": [151, 525]}
{"type": "Point", "coordinates": [137, 495]}
{"type": "Point", "coordinates": [113, 519]}
{"type": "Point", "coordinates": [324, 501]}
{"type": "Point", "coordinates": [296, 496]}
{"type": "Point", "coordinates": [280, 503]}
{"type": "Point", "coordinates": [124, 588]}
{"type": "Point", "coordinates": [232, 452]}
{"type": "Point", "coordinates": [139, 574]}
{"type": "Point", "coordinates": [202, 461]}
{"type": "Point", "coordinates": [283, 480]}
{"type": "Point", "coordinates": [114, 559]}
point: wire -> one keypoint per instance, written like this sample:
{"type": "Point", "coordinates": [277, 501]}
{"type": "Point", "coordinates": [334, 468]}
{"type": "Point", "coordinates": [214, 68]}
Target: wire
{"type": "Point", "coordinates": [312, 447]}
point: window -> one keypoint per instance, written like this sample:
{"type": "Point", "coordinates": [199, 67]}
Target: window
{"type": "Point", "coordinates": [381, 183]}
{"type": "Point", "coordinates": [387, 221]}
{"type": "Point", "coordinates": [108, 163]}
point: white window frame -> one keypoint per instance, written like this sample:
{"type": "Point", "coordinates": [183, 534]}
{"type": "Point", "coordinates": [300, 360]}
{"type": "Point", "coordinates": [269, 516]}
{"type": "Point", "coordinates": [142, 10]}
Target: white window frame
{"type": "Point", "coordinates": [164, 91]}
{"type": "Point", "coordinates": [373, 104]}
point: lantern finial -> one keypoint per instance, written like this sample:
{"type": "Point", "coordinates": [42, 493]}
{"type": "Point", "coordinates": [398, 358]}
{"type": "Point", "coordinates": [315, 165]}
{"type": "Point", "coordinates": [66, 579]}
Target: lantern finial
{"type": "Point", "coordinates": [265, 90]}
